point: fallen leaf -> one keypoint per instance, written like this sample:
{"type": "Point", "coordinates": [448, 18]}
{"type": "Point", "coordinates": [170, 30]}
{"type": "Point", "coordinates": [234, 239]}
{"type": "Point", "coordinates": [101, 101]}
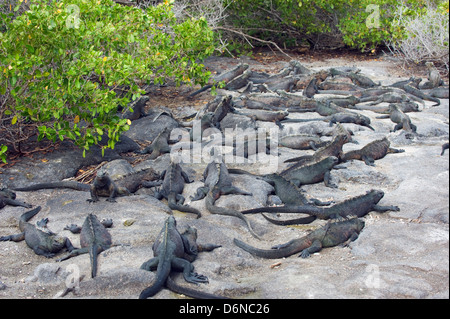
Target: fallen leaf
{"type": "Point", "coordinates": [275, 265]}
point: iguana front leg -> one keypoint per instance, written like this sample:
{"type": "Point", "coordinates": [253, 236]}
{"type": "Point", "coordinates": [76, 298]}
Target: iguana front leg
{"type": "Point", "coordinates": [383, 209]}
{"type": "Point", "coordinates": [94, 195]}
{"type": "Point", "coordinates": [113, 195]}
{"type": "Point", "coordinates": [327, 180]}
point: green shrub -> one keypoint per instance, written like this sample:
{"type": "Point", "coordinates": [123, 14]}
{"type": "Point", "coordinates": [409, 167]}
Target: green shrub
{"type": "Point", "coordinates": [63, 61]}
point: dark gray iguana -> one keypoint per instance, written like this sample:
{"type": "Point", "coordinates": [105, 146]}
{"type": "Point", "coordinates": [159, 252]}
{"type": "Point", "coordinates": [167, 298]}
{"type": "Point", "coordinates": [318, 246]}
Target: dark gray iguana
{"type": "Point", "coordinates": [312, 173]}
{"type": "Point", "coordinates": [102, 185]}
{"type": "Point", "coordinates": [172, 188]}
{"type": "Point", "coordinates": [173, 250]}
{"type": "Point", "coordinates": [94, 238]}
{"type": "Point", "coordinates": [159, 146]}
{"type": "Point", "coordinates": [340, 117]}
{"type": "Point", "coordinates": [330, 235]}
{"type": "Point", "coordinates": [289, 193]}
{"type": "Point", "coordinates": [217, 183]}
{"type": "Point", "coordinates": [356, 206]}
{"type": "Point", "coordinates": [38, 237]}
{"type": "Point", "coordinates": [332, 148]}
{"type": "Point", "coordinates": [401, 119]}
{"type": "Point", "coordinates": [226, 77]}
{"type": "Point", "coordinates": [371, 152]}
{"type": "Point", "coordinates": [8, 197]}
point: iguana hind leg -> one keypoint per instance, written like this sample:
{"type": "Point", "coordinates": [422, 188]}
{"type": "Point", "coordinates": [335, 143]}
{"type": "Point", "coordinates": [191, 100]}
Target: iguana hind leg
{"type": "Point", "coordinates": [228, 190]}
{"type": "Point", "coordinates": [15, 238]}
{"type": "Point", "coordinates": [188, 271]}
{"type": "Point", "coordinates": [314, 248]}
{"type": "Point", "coordinates": [150, 264]}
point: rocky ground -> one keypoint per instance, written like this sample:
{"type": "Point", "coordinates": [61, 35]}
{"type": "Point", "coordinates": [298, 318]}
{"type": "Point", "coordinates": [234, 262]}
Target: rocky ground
{"type": "Point", "coordinates": [401, 254]}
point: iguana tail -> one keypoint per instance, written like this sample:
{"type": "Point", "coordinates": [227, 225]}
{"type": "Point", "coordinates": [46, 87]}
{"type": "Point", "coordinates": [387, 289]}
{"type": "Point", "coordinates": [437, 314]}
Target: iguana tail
{"type": "Point", "coordinates": [170, 283]}
{"type": "Point", "coordinates": [296, 221]}
{"type": "Point", "coordinates": [27, 216]}
{"type": "Point", "coordinates": [300, 120]}
{"type": "Point", "coordinates": [162, 273]}
{"type": "Point", "coordinates": [63, 184]}
{"type": "Point", "coordinates": [209, 201]}
{"type": "Point", "coordinates": [201, 90]}
{"type": "Point", "coordinates": [94, 250]}
{"type": "Point", "coordinates": [305, 209]}
{"type": "Point", "coordinates": [285, 251]}
{"type": "Point", "coordinates": [182, 208]}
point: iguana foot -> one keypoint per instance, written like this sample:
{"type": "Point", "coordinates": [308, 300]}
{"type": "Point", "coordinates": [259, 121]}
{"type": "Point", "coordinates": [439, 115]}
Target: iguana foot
{"type": "Point", "coordinates": [74, 229]}
{"type": "Point", "coordinates": [305, 254]}
{"type": "Point", "coordinates": [108, 223]}
{"type": "Point", "coordinates": [196, 278]}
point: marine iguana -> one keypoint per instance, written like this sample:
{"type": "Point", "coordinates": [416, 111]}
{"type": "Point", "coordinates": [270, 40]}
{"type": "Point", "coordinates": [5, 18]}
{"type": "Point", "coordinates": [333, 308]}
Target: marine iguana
{"type": "Point", "coordinates": [214, 173]}
{"type": "Point", "coordinates": [338, 86]}
{"type": "Point", "coordinates": [102, 185]}
{"type": "Point", "coordinates": [340, 117]}
{"type": "Point", "coordinates": [434, 78]}
{"type": "Point", "coordinates": [39, 238]}
{"type": "Point", "coordinates": [8, 197]}
{"type": "Point", "coordinates": [441, 92]}
{"type": "Point", "coordinates": [173, 250]}
{"type": "Point", "coordinates": [94, 238]}
{"type": "Point", "coordinates": [226, 77]}
{"type": "Point", "coordinates": [159, 146]}
{"type": "Point", "coordinates": [265, 115]}
{"type": "Point", "coordinates": [217, 183]}
{"type": "Point", "coordinates": [401, 119]}
{"type": "Point", "coordinates": [138, 108]}
{"type": "Point", "coordinates": [311, 89]}
{"type": "Point", "coordinates": [289, 193]}
{"type": "Point", "coordinates": [332, 148]}
{"type": "Point", "coordinates": [172, 187]}
{"type": "Point", "coordinates": [374, 150]}
{"type": "Point", "coordinates": [301, 142]}
{"type": "Point", "coordinates": [311, 173]}
{"type": "Point", "coordinates": [356, 206]}
{"type": "Point", "coordinates": [413, 81]}
{"type": "Point", "coordinates": [418, 93]}
{"type": "Point", "coordinates": [358, 79]}
{"type": "Point", "coordinates": [330, 235]}
{"type": "Point", "coordinates": [348, 101]}
{"type": "Point", "coordinates": [391, 97]}
{"type": "Point", "coordinates": [405, 107]}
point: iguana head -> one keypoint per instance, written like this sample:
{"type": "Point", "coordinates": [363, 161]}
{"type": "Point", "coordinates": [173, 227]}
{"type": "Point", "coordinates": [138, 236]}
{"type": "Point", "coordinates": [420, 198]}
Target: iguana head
{"type": "Point", "coordinates": [376, 194]}
{"type": "Point", "coordinates": [7, 193]}
{"type": "Point", "coordinates": [171, 222]}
